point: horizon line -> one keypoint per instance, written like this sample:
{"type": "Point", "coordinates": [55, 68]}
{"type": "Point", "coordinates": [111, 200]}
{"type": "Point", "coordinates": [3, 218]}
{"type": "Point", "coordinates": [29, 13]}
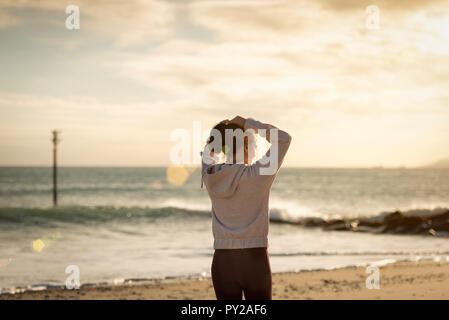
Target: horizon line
{"type": "Point", "coordinates": [197, 166]}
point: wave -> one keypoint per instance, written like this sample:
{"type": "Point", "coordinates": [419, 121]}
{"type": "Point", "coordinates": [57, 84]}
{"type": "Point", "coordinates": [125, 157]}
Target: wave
{"type": "Point", "coordinates": [92, 215]}
{"type": "Point", "coordinates": [10, 190]}
{"type": "Point", "coordinates": [417, 221]}
{"type": "Point", "coordinates": [433, 222]}
{"type": "Point", "coordinates": [361, 253]}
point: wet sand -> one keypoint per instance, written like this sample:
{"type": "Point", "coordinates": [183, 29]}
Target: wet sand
{"type": "Point", "coordinates": [402, 280]}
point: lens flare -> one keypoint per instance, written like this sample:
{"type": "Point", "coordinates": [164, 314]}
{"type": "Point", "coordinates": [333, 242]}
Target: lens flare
{"type": "Point", "coordinates": [177, 175]}
{"type": "Point", "coordinates": [38, 245]}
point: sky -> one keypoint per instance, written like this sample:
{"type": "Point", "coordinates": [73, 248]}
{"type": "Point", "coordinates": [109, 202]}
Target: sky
{"type": "Point", "coordinates": [137, 70]}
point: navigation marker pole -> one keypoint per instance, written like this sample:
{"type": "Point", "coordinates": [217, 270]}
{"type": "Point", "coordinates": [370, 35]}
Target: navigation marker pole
{"type": "Point", "coordinates": [55, 141]}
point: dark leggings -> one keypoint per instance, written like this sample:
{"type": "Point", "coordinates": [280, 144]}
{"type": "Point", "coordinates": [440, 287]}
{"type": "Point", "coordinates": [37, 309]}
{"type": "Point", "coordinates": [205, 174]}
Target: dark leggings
{"type": "Point", "coordinates": [237, 270]}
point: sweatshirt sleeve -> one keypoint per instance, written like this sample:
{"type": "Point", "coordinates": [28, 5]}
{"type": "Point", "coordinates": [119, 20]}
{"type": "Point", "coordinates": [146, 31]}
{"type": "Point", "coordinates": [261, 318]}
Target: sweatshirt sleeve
{"type": "Point", "coordinates": [265, 166]}
{"type": "Point", "coordinates": [206, 161]}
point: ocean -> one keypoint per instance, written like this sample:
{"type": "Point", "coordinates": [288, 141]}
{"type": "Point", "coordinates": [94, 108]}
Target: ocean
{"type": "Point", "coordinates": [129, 224]}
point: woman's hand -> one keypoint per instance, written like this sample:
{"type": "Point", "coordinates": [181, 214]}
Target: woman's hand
{"type": "Point", "coordinates": [238, 120]}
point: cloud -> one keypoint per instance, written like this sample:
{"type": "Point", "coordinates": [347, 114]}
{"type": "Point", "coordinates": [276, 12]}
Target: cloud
{"type": "Point", "coordinates": [8, 20]}
{"type": "Point", "coordinates": [351, 95]}
{"type": "Point", "coordinates": [366, 74]}
{"type": "Point", "coordinates": [128, 22]}
{"type": "Point", "coordinates": [399, 5]}
{"type": "Point", "coordinates": [93, 132]}
{"type": "Point", "coordinates": [274, 20]}
{"type": "Point", "coordinates": [244, 19]}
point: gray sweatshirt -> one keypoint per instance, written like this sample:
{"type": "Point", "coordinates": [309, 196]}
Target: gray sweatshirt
{"type": "Point", "coordinates": [240, 194]}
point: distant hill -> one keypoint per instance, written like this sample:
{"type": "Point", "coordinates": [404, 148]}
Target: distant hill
{"type": "Point", "coordinates": [440, 164]}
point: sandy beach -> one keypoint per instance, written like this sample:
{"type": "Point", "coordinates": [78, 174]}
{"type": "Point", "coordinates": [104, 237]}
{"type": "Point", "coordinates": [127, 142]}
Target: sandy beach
{"type": "Point", "coordinates": [401, 280]}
